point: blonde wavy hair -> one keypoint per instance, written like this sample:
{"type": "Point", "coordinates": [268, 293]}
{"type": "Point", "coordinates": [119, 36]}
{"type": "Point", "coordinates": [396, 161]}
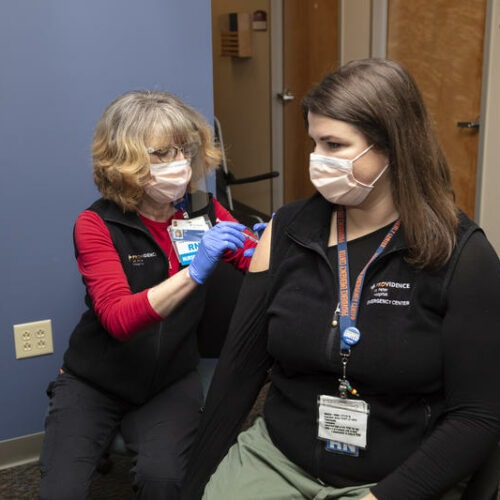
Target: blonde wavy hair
{"type": "Point", "coordinates": [120, 160]}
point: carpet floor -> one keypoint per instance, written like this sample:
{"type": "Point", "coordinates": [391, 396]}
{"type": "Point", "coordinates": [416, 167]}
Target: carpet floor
{"type": "Point", "coordinates": [21, 482]}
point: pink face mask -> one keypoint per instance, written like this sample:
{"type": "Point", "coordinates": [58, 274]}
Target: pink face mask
{"type": "Point", "coordinates": [334, 179]}
{"type": "Point", "coordinates": [168, 180]}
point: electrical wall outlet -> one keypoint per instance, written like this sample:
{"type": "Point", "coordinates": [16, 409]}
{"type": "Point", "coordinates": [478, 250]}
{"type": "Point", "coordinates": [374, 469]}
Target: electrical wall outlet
{"type": "Point", "coordinates": [33, 339]}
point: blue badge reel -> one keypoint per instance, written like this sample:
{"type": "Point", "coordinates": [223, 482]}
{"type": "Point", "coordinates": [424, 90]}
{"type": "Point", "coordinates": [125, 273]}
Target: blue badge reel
{"type": "Point", "coordinates": [351, 336]}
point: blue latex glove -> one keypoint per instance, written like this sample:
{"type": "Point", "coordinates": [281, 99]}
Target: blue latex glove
{"type": "Point", "coordinates": [258, 229]}
{"type": "Point", "coordinates": [224, 236]}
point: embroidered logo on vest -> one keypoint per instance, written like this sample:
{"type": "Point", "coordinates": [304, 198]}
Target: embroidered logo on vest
{"type": "Point", "coordinates": [390, 293]}
{"type": "Point", "coordinates": [138, 260]}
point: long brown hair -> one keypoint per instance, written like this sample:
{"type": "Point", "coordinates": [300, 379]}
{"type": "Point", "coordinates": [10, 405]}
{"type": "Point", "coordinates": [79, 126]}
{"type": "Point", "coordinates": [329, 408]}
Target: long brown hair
{"type": "Point", "coordinates": [381, 99]}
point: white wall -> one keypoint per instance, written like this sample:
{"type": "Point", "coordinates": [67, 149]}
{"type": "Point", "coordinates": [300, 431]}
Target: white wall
{"type": "Point", "coordinates": [489, 157]}
{"type": "Point", "coordinates": [355, 29]}
{"type": "Point", "coordinates": [241, 102]}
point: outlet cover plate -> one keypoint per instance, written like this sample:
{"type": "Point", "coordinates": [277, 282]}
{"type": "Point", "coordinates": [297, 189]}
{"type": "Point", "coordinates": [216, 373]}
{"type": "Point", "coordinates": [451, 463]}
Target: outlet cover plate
{"type": "Point", "coordinates": [33, 339]}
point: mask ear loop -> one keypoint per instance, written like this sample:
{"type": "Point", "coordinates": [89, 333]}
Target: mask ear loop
{"type": "Point", "coordinates": [380, 175]}
{"type": "Point", "coordinates": [374, 180]}
{"type": "Point", "coordinates": [362, 153]}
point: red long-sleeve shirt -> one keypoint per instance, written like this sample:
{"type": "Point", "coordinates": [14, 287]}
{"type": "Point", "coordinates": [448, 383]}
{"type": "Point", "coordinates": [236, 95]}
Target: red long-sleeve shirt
{"type": "Point", "coordinates": [120, 311]}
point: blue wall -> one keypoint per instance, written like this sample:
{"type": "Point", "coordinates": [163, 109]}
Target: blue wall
{"type": "Point", "coordinates": [61, 62]}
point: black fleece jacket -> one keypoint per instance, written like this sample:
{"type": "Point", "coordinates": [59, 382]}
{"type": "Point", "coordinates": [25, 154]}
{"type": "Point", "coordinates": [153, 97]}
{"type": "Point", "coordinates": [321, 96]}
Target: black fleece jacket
{"type": "Point", "coordinates": [427, 361]}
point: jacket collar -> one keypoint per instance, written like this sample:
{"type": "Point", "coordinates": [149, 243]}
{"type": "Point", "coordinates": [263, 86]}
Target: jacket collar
{"type": "Point", "coordinates": [111, 212]}
{"type": "Point", "coordinates": [311, 225]}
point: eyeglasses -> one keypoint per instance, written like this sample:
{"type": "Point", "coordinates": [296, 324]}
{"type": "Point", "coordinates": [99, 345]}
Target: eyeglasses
{"type": "Point", "coordinates": [170, 153]}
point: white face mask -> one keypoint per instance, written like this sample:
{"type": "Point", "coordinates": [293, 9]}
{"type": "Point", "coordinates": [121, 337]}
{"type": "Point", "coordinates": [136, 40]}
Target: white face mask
{"type": "Point", "coordinates": [334, 179]}
{"type": "Point", "coordinates": [168, 180]}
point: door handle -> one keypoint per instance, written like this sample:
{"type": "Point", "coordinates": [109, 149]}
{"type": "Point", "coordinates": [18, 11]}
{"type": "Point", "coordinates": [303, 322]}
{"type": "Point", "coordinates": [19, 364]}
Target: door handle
{"type": "Point", "coordinates": [286, 95]}
{"type": "Point", "coordinates": [468, 124]}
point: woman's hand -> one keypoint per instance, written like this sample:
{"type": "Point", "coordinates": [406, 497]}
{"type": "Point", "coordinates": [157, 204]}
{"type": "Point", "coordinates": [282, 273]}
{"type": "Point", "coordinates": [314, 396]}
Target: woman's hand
{"type": "Point", "coordinates": [258, 229]}
{"type": "Point", "coordinates": [224, 236]}
{"type": "Point", "coordinates": [166, 296]}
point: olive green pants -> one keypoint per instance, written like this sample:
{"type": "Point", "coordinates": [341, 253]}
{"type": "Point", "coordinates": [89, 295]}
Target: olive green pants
{"type": "Point", "coordinates": [254, 469]}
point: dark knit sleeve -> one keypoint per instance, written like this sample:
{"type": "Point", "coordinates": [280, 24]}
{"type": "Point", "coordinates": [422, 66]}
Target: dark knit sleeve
{"type": "Point", "coordinates": [470, 428]}
{"type": "Point", "coordinates": [239, 376]}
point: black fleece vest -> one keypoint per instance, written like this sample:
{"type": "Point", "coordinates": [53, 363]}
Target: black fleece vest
{"type": "Point", "coordinates": [396, 367]}
{"type": "Point", "coordinates": [137, 369]}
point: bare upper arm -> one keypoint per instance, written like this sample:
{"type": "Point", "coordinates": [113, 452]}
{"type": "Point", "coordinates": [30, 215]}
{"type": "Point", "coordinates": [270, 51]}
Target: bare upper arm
{"type": "Point", "coordinates": [260, 259]}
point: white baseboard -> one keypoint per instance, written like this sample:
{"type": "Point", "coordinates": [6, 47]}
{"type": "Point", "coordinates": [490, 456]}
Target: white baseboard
{"type": "Point", "coordinates": [20, 450]}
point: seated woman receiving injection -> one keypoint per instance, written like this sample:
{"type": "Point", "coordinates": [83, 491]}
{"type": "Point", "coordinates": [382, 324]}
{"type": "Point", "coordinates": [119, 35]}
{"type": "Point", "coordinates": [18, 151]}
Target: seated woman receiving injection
{"type": "Point", "coordinates": [132, 358]}
{"type": "Point", "coordinates": [373, 307]}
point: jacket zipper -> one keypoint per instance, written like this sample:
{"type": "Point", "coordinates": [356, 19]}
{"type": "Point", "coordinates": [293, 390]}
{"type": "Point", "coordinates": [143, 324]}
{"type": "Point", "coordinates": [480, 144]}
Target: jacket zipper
{"type": "Point", "coordinates": [427, 414]}
{"type": "Point", "coordinates": [317, 460]}
{"type": "Point", "coordinates": [160, 326]}
{"type": "Point", "coordinates": [333, 333]}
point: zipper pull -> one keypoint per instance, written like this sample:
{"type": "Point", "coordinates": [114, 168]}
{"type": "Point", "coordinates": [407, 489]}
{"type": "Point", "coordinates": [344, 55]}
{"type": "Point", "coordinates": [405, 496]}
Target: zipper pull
{"type": "Point", "coordinates": [335, 320]}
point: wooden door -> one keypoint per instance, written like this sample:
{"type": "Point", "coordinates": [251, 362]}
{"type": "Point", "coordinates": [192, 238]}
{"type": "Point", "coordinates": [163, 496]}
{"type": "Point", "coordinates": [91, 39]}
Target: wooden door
{"type": "Point", "coordinates": [310, 50]}
{"type": "Point", "coordinates": [441, 43]}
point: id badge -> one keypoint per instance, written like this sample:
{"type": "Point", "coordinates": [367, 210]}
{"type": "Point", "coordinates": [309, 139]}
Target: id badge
{"type": "Point", "coordinates": [186, 235]}
{"type": "Point", "coordinates": [343, 421]}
